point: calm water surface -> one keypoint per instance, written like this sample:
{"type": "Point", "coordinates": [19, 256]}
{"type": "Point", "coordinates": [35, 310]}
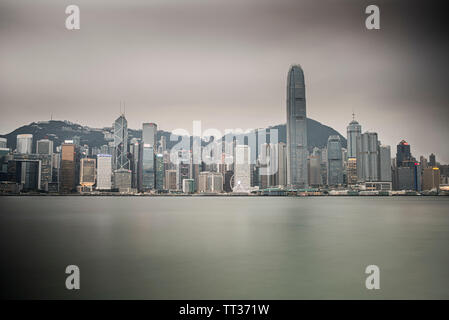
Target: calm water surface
{"type": "Point", "coordinates": [225, 248]}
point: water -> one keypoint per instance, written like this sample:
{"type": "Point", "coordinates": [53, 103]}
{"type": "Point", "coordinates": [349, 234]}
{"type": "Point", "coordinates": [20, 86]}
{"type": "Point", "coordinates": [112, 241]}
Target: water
{"type": "Point", "coordinates": [225, 248]}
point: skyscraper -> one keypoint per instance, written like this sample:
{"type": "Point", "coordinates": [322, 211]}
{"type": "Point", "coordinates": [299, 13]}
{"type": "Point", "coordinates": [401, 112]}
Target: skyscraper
{"type": "Point", "coordinates": [121, 143]}
{"type": "Point", "coordinates": [88, 174]}
{"type": "Point", "coordinates": [242, 178]}
{"type": "Point", "coordinates": [432, 160]}
{"type": "Point", "coordinates": [281, 175]}
{"type": "Point", "coordinates": [68, 167]}
{"type": "Point", "coordinates": [334, 160]}
{"type": "Point", "coordinates": [367, 157]}
{"type": "Point", "coordinates": [148, 168]}
{"type": "Point", "coordinates": [44, 146]}
{"type": "Point", "coordinates": [24, 143]}
{"type": "Point", "coordinates": [403, 155]}
{"type": "Point", "coordinates": [354, 130]}
{"type": "Point", "coordinates": [160, 171]}
{"type": "Point", "coordinates": [384, 163]}
{"type": "Point", "coordinates": [149, 134]}
{"type": "Point", "coordinates": [104, 171]}
{"type": "Point", "coordinates": [296, 129]}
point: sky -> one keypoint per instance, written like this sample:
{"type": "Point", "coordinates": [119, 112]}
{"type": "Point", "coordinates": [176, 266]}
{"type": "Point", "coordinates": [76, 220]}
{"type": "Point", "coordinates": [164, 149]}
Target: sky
{"type": "Point", "coordinates": [225, 63]}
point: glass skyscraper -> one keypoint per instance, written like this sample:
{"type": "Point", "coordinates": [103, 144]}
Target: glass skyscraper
{"type": "Point", "coordinates": [121, 143]}
{"type": "Point", "coordinates": [334, 161]}
{"type": "Point", "coordinates": [296, 129]}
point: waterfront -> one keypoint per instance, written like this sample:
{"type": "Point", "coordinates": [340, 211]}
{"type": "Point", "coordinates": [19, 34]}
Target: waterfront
{"type": "Point", "coordinates": [225, 247]}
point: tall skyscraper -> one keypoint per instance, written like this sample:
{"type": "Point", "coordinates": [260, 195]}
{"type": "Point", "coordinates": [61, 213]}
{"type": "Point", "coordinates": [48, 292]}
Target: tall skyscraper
{"type": "Point", "coordinates": [281, 175]}
{"type": "Point", "coordinates": [296, 129]}
{"type": "Point", "coordinates": [432, 160]}
{"type": "Point", "coordinates": [403, 155]}
{"type": "Point", "coordinates": [88, 172]}
{"type": "Point", "coordinates": [44, 146]}
{"type": "Point", "coordinates": [104, 172]}
{"type": "Point", "coordinates": [242, 177]}
{"type": "Point", "coordinates": [68, 168]}
{"type": "Point", "coordinates": [149, 134]}
{"type": "Point", "coordinates": [160, 171]}
{"type": "Point", "coordinates": [148, 167]}
{"type": "Point", "coordinates": [334, 160]}
{"type": "Point", "coordinates": [24, 143]}
{"type": "Point", "coordinates": [367, 157]}
{"type": "Point", "coordinates": [121, 143]}
{"type": "Point", "coordinates": [384, 163]}
{"type": "Point", "coordinates": [3, 142]}
{"type": "Point", "coordinates": [354, 130]}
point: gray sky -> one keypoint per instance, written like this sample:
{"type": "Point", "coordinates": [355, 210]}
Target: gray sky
{"type": "Point", "coordinates": [225, 63]}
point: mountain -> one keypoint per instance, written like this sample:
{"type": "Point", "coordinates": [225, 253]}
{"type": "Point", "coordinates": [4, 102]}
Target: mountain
{"type": "Point", "coordinates": [58, 131]}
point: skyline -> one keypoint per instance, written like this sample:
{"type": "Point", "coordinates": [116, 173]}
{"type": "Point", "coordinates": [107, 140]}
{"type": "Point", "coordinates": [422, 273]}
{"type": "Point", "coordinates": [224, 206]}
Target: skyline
{"type": "Point", "coordinates": [230, 74]}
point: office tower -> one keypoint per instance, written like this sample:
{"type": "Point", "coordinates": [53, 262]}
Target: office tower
{"type": "Point", "coordinates": [121, 143]}
{"type": "Point", "coordinates": [227, 184]}
{"type": "Point", "coordinates": [148, 168]}
{"type": "Point", "coordinates": [242, 176]}
{"type": "Point", "coordinates": [367, 157]}
{"type": "Point", "coordinates": [170, 180]}
{"type": "Point", "coordinates": [408, 177]}
{"type": "Point", "coordinates": [68, 168]}
{"type": "Point", "coordinates": [135, 163]}
{"type": "Point", "coordinates": [160, 171]}
{"type": "Point", "coordinates": [403, 155]}
{"type": "Point", "coordinates": [26, 173]}
{"type": "Point", "coordinates": [384, 163]}
{"type": "Point", "coordinates": [183, 168]}
{"type": "Point", "coordinates": [24, 143]}
{"type": "Point", "coordinates": [351, 171]}
{"type": "Point", "coordinates": [432, 161]}
{"type": "Point", "coordinates": [267, 165]}
{"type": "Point", "coordinates": [3, 143]}
{"type": "Point", "coordinates": [334, 161]}
{"type": "Point", "coordinates": [56, 166]}
{"type": "Point", "coordinates": [210, 182]}
{"type": "Point", "coordinates": [104, 172]}
{"type": "Point", "coordinates": [163, 144]}
{"type": "Point", "coordinates": [281, 179]}
{"type": "Point", "coordinates": [423, 162]}
{"type": "Point", "coordinates": [314, 168]}
{"type": "Point", "coordinates": [188, 186]}
{"type": "Point", "coordinates": [88, 173]}
{"type": "Point", "coordinates": [44, 146]}
{"type": "Point", "coordinates": [149, 134]}
{"type": "Point", "coordinates": [354, 130]}
{"type": "Point", "coordinates": [122, 180]}
{"type": "Point", "coordinates": [296, 129]}
{"type": "Point", "coordinates": [431, 178]}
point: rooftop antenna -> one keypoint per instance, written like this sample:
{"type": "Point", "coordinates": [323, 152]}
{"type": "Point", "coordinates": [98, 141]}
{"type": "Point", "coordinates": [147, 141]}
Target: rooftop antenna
{"type": "Point", "coordinates": [353, 115]}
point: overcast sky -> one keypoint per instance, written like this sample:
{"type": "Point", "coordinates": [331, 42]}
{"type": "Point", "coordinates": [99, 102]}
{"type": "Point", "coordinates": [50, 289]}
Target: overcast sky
{"type": "Point", "coordinates": [226, 62]}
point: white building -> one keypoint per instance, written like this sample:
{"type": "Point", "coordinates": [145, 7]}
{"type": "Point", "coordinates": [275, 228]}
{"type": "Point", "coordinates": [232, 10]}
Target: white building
{"type": "Point", "coordinates": [24, 143]}
{"type": "Point", "coordinates": [104, 171]}
{"type": "Point", "coordinates": [242, 175]}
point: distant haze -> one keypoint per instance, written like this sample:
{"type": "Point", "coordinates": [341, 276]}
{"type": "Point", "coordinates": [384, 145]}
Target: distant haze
{"type": "Point", "coordinates": [226, 62]}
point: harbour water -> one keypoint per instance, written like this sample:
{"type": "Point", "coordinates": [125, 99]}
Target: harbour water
{"type": "Point", "coordinates": [225, 247]}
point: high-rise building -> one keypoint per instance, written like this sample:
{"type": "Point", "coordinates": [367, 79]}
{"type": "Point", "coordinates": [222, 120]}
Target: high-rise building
{"type": "Point", "coordinates": [296, 129]}
{"type": "Point", "coordinates": [170, 180]}
{"type": "Point", "coordinates": [403, 155]}
{"type": "Point", "coordinates": [183, 168]}
{"type": "Point", "coordinates": [432, 161]}
{"type": "Point", "coordinates": [148, 168]}
{"type": "Point", "coordinates": [367, 157]}
{"type": "Point", "coordinates": [354, 130]}
{"type": "Point", "coordinates": [408, 177]}
{"type": "Point", "coordinates": [431, 178]}
{"type": "Point", "coordinates": [121, 143]}
{"type": "Point", "coordinates": [210, 182]}
{"type": "Point", "coordinates": [24, 143]}
{"type": "Point", "coordinates": [384, 164]}
{"type": "Point", "coordinates": [122, 180]}
{"type": "Point", "coordinates": [104, 172]}
{"type": "Point", "coordinates": [44, 146]}
{"type": "Point", "coordinates": [351, 171]}
{"type": "Point", "coordinates": [163, 144]}
{"type": "Point", "coordinates": [135, 149]}
{"type": "Point", "coordinates": [88, 172]}
{"type": "Point", "coordinates": [188, 186]}
{"type": "Point", "coordinates": [334, 161]}
{"type": "Point", "coordinates": [160, 171]}
{"type": "Point", "coordinates": [68, 177]}
{"type": "Point", "coordinates": [149, 134]}
{"type": "Point", "coordinates": [281, 174]}
{"type": "Point", "coordinates": [314, 174]}
{"type": "Point", "coordinates": [242, 176]}
{"type": "Point", "coordinates": [3, 143]}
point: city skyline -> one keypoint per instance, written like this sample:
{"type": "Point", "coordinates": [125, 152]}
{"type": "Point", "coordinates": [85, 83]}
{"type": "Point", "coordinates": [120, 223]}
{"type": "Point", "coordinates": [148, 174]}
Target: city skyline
{"type": "Point", "coordinates": [82, 75]}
